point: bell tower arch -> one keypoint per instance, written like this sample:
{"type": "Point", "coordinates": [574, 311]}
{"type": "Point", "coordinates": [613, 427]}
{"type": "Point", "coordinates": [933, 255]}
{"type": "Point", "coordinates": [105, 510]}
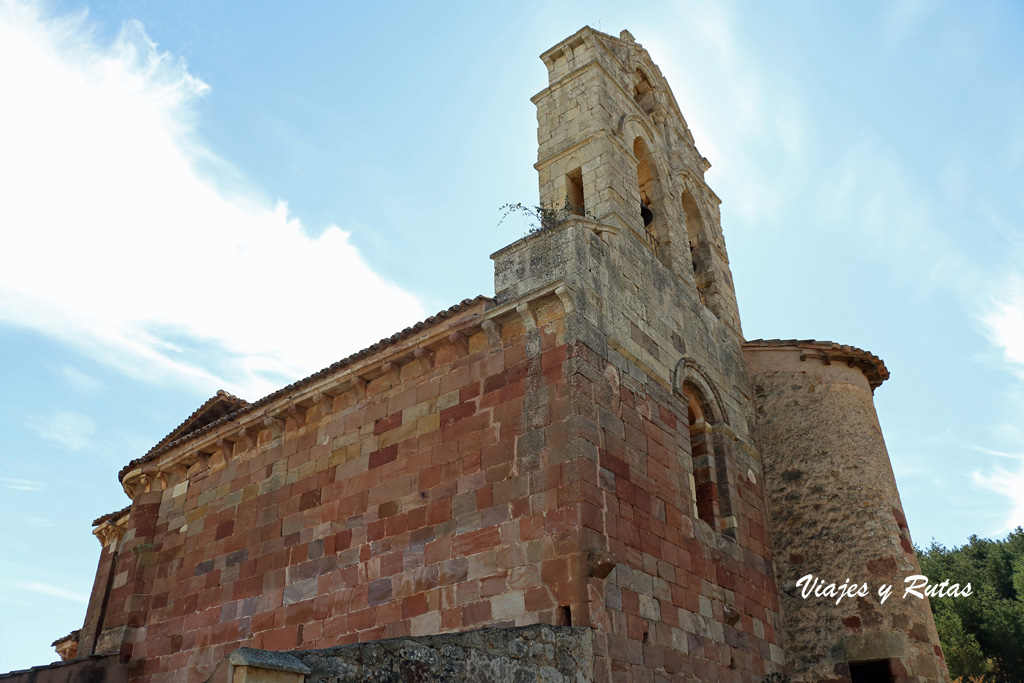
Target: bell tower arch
{"type": "Point", "coordinates": [612, 139]}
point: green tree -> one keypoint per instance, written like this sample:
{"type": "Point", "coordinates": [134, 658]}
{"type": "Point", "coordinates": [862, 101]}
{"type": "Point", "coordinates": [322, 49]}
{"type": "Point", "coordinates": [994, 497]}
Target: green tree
{"type": "Point", "coordinates": [983, 633]}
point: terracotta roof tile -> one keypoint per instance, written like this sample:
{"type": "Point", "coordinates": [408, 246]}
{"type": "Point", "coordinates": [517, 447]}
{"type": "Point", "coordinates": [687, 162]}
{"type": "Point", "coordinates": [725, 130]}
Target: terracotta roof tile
{"type": "Point", "coordinates": [873, 367]}
{"type": "Point", "coordinates": [112, 516]}
{"type": "Point", "coordinates": [166, 444]}
{"type": "Point", "coordinates": [217, 406]}
{"type": "Point", "coordinates": [71, 636]}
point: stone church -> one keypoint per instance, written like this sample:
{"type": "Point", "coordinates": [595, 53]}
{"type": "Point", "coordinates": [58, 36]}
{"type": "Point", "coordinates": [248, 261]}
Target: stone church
{"type": "Point", "coordinates": [590, 476]}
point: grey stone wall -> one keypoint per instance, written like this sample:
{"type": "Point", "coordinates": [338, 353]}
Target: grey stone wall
{"type": "Point", "coordinates": [836, 513]}
{"type": "Point", "coordinates": [546, 654]}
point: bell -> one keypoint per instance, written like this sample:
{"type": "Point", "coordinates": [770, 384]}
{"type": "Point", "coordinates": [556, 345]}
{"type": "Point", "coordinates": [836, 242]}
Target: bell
{"type": "Point", "coordinates": [646, 214]}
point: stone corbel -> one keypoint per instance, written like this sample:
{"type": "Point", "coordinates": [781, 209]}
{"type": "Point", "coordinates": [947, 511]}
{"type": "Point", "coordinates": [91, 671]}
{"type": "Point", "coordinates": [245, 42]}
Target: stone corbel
{"type": "Point", "coordinates": [177, 474]}
{"type": "Point", "coordinates": [202, 462]}
{"type": "Point", "coordinates": [109, 534]}
{"type": "Point", "coordinates": [273, 424]}
{"type": "Point", "coordinates": [459, 341]}
{"type": "Point", "coordinates": [493, 332]}
{"type": "Point", "coordinates": [324, 401]}
{"type": "Point", "coordinates": [392, 371]}
{"type": "Point", "coordinates": [425, 357]}
{"type": "Point", "coordinates": [297, 413]}
{"type": "Point", "coordinates": [249, 437]}
{"type": "Point", "coordinates": [359, 386]}
{"type": "Point", "coordinates": [529, 322]}
{"type": "Point", "coordinates": [152, 479]}
{"type": "Point", "coordinates": [566, 298]}
{"type": "Point", "coordinates": [227, 447]}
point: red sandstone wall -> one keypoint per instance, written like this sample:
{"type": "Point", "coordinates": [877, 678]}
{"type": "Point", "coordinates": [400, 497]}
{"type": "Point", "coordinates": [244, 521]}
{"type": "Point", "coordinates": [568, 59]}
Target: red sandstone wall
{"type": "Point", "coordinates": [425, 507]}
{"type": "Point", "coordinates": [684, 599]}
{"type": "Point", "coordinates": [483, 488]}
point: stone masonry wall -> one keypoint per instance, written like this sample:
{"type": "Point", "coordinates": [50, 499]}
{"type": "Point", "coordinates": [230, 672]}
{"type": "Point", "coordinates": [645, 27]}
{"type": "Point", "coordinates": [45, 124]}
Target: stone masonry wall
{"type": "Point", "coordinates": [836, 514]}
{"type": "Point", "coordinates": [684, 600]}
{"type": "Point", "coordinates": [688, 598]}
{"type": "Point", "coordinates": [545, 654]}
{"type": "Point", "coordinates": [439, 497]}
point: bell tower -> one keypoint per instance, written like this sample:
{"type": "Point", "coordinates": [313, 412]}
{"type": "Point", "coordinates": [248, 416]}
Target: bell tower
{"type": "Point", "coordinates": [614, 147]}
{"type": "Point", "coordinates": [658, 417]}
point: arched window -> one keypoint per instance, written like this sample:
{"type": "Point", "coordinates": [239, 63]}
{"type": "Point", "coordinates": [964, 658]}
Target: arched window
{"type": "Point", "coordinates": [705, 486]}
{"type": "Point", "coordinates": [700, 246]}
{"type": "Point", "coordinates": [643, 92]}
{"type": "Point", "coordinates": [711, 447]}
{"type": "Point", "coordinates": [651, 212]}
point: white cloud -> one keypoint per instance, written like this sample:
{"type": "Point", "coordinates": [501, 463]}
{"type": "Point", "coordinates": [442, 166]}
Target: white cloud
{"type": "Point", "coordinates": [756, 113]}
{"type": "Point", "coordinates": [68, 430]}
{"type": "Point", "coordinates": [115, 244]}
{"type": "Point", "coordinates": [54, 591]}
{"type": "Point", "coordinates": [15, 484]}
{"type": "Point", "coordinates": [1008, 483]}
{"type": "Point", "coordinates": [1004, 321]}
{"type": "Point", "coordinates": [83, 383]}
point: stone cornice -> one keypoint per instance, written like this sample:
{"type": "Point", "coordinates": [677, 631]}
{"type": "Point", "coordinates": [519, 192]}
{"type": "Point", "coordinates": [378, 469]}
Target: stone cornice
{"type": "Point", "coordinates": [828, 352]}
{"type": "Point", "coordinates": [285, 410]}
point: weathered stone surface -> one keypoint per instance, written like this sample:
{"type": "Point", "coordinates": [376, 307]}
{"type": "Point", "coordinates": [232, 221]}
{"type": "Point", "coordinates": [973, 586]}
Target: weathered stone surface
{"type": "Point", "coordinates": [836, 512]}
{"type": "Point", "coordinates": [555, 654]}
{"type": "Point", "coordinates": [89, 670]}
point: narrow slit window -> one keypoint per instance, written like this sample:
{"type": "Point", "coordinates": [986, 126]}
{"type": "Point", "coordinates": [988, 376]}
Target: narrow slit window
{"type": "Point", "coordinates": [705, 488]}
{"type": "Point", "coordinates": [574, 192]}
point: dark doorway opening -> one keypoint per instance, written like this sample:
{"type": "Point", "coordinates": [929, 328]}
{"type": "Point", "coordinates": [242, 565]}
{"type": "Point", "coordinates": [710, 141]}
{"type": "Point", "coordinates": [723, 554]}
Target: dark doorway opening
{"type": "Point", "coordinates": [871, 672]}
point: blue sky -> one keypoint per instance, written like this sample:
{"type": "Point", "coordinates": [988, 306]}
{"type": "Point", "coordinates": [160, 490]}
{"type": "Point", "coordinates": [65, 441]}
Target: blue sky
{"type": "Point", "coordinates": [196, 196]}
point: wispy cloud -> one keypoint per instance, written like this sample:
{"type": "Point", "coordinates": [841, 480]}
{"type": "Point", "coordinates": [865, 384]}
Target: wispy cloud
{"type": "Point", "coordinates": [37, 522]}
{"type": "Point", "coordinates": [68, 430]}
{"type": "Point", "coordinates": [116, 244]}
{"type": "Point", "coordinates": [1004, 321]}
{"type": "Point", "coordinates": [15, 484]}
{"type": "Point", "coordinates": [1008, 483]}
{"type": "Point", "coordinates": [83, 383]}
{"type": "Point", "coordinates": [755, 113]}
{"type": "Point", "coordinates": [53, 591]}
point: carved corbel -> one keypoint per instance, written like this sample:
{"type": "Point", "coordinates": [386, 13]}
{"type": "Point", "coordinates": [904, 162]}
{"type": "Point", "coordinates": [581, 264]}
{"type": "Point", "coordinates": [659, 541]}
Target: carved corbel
{"type": "Point", "coordinates": [459, 341]}
{"type": "Point", "coordinates": [297, 413]}
{"type": "Point", "coordinates": [227, 447]}
{"type": "Point", "coordinates": [392, 372]}
{"type": "Point", "coordinates": [493, 332]}
{"type": "Point", "coordinates": [108, 534]}
{"type": "Point", "coordinates": [566, 298]}
{"type": "Point", "coordinates": [323, 401]}
{"type": "Point", "coordinates": [249, 437]}
{"type": "Point", "coordinates": [359, 386]}
{"type": "Point", "coordinates": [425, 358]}
{"type": "Point", "coordinates": [178, 474]}
{"type": "Point", "coordinates": [152, 479]}
{"type": "Point", "coordinates": [274, 425]}
{"type": "Point", "coordinates": [527, 315]}
{"type": "Point", "coordinates": [201, 463]}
